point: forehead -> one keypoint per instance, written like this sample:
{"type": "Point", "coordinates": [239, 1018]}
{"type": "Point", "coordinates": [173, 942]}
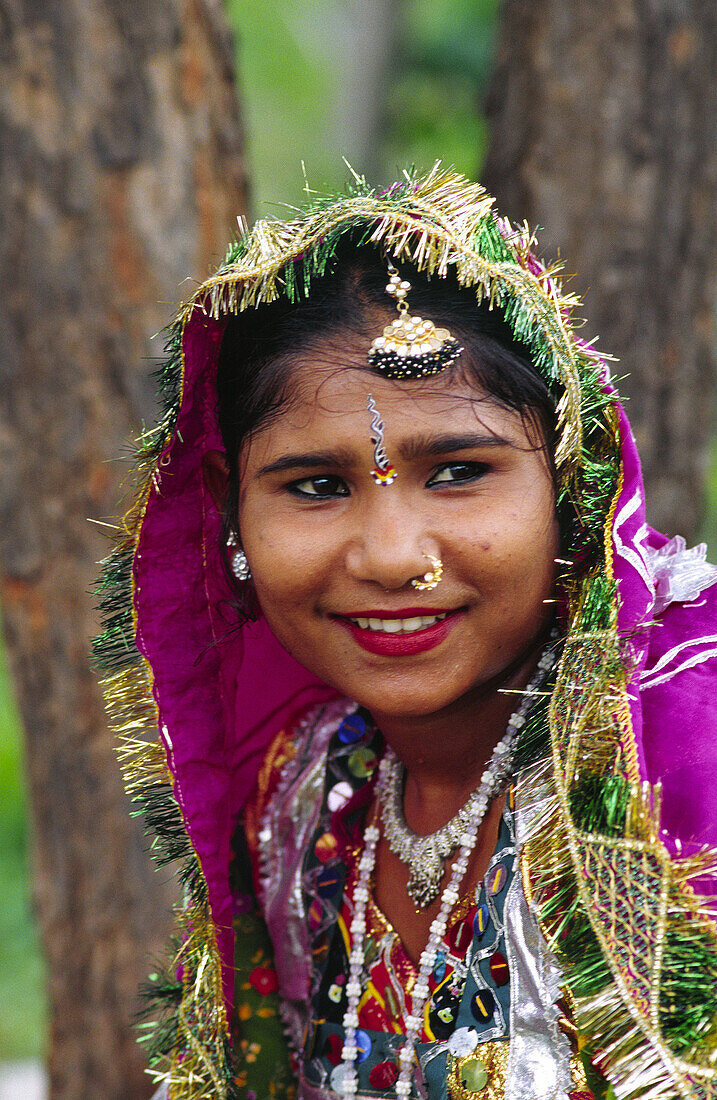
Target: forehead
{"type": "Point", "coordinates": [327, 400]}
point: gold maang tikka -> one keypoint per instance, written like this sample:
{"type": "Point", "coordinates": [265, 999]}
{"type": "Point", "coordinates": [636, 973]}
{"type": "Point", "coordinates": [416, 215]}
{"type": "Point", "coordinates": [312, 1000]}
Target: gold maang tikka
{"type": "Point", "coordinates": [411, 347]}
{"type": "Point", "coordinates": [383, 472]}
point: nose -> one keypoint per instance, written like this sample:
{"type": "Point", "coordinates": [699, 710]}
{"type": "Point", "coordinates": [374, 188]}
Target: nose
{"type": "Point", "coordinates": [393, 545]}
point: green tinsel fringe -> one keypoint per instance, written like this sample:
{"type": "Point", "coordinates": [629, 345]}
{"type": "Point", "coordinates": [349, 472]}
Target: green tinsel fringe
{"type": "Point", "coordinates": [114, 649]}
{"type": "Point", "coordinates": [158, 806]}
{"type": "Point", "coordinates": [598, 804]}
{"type": "Point", "coordinates": [157, 1022]}
{"type": "Point", "coordinates": [157, 1019]}
{"type": "Point", "coordinates": [688, 1007]}
{"type": "Point", "coordinates": [599, 482]}
{"type": "Point", "coordinates": [490, 243]}
{"type": "Point", "coordinates": [534, 739]}
{"type": "Point", "coordinates": [596, 610]}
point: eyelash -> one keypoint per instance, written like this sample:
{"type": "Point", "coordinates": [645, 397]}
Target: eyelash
{"type": "Point", "coordinates": [475, 470]}
{"type": "Point", "coordinates": [296, 490]}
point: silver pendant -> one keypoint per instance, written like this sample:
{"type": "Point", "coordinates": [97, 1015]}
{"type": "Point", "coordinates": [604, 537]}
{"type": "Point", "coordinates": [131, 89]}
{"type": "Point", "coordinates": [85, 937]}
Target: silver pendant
{"type": "Point", "coordinates": [426, 874]}
{"type": "Point", "coordinates": [425, 855]}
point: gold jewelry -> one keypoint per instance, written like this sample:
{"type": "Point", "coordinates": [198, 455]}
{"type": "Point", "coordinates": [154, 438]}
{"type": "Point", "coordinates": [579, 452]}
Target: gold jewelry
{"type": "Point", "coordinates": [482, 1072]}
{"type": "Point", "coordinates": [431, 579]}
{"type": "Point", "coordinates": [411, 347]}
{"type": "Point", "coordinates": [383, 472]}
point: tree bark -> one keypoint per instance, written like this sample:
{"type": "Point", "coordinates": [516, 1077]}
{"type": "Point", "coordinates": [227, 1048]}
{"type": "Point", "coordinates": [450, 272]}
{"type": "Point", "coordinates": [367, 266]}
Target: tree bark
{"type": "Point", "coordinates": [603, 130]}
{"type": "Point", "coordinates": [121, 174]}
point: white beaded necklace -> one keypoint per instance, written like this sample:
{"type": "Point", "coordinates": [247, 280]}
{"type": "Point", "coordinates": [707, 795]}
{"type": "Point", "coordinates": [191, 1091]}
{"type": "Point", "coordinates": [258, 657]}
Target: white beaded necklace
{"type": "Point", "coordinates": [344, 1079]}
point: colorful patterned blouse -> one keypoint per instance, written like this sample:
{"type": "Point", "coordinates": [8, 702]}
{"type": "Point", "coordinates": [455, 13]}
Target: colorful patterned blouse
{"type": "Point", "coordinates": [464, 1045]}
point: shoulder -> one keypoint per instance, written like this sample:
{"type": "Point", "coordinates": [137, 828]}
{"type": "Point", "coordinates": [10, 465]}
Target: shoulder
{"type": "Point", "coordinates": [295, 754]}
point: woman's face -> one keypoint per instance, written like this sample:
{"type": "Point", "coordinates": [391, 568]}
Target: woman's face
{"type": "Point", "coordinates": [333, 554]}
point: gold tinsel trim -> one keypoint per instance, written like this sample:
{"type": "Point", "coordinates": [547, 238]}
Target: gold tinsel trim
{"type": "Point", "coordinates": [629, 887]}
{"type": "Point", "coordinates": [193, 1073]}
{"type": "Point", "coordinates": [432, 227]}
{"type": "Point", "coordinates": [202, 1017]}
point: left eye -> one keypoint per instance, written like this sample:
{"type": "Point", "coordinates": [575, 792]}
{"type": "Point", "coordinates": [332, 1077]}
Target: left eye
{"type": "Point", "coordinates": [322, 486]}
{"type": "Point", "coordinates": [454, 472]}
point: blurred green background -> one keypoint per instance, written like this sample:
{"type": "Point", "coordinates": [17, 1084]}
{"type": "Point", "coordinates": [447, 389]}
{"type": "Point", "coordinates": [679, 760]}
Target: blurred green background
{"type": "Point", "coordinates": [21, 977]}
{"type": "Point", "coordinates": [302, 85]}
{"type": "Point", "coordinates": [305, 79]}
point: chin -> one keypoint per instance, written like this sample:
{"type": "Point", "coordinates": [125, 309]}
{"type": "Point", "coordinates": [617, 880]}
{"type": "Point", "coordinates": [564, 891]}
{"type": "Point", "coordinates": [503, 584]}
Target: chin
{"type": "Point", "coordinates": [406, 703]}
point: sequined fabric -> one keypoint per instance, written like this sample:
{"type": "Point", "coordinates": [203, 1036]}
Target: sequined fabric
{"type": "Point", "coordinates": [492, 945]}
{"type": "Point", "coordinates": [538, 1066]}
{"type": "Point", "coordinates": [288, 822]}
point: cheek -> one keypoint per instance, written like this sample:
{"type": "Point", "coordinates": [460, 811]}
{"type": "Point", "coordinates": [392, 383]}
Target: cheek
{"type": "Point", "coordinates": [279, 577]}
{"type": "Point", "coordinates": [283, 602]}
{"type": "Point", "coordinates": [288, 570]}
{"type": "Point", "coordinates": [539, 546]}
{"type": "Point", "coordinates": [520, 547]}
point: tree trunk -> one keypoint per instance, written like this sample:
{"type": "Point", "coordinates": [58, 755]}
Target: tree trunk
{"type": "Point", "coordinates": [121, 173]}
{"type": "Point", "coordinates": [603, 122]}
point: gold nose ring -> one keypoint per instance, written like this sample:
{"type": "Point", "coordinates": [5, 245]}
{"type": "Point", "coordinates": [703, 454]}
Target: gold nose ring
{"type": "Point", "coordinates": [431, 579]}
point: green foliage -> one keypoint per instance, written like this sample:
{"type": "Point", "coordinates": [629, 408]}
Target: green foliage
{"type": "Point", "coordinates": [22, 998]}
{"type": "Point", "coordinates": [287, 89]}
{"type": "Point", "coordinates": [434, 105]}
{"type": "Point", "coordinates": [290, 62]}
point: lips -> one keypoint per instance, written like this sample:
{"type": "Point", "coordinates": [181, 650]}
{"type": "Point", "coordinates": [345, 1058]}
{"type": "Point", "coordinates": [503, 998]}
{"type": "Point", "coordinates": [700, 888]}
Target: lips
{"type": "Point", "coordinates": [399, 633]}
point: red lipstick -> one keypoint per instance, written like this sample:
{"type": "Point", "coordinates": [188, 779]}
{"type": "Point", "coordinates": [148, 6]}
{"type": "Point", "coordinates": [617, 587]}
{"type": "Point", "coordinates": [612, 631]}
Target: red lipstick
{"type": "Point", "coordinates": [400, 645]}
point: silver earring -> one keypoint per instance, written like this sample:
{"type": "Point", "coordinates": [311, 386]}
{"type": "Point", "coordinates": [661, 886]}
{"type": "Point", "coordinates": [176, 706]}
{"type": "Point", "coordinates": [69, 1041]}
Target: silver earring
{"type": "Point", "coordinates": [239, 563]}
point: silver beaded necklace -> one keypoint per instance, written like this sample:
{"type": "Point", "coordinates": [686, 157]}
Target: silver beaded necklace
{"type": "Point", "coordinates": [426, 855]}
{"type": "Point", "coordinates": [344, 1078]}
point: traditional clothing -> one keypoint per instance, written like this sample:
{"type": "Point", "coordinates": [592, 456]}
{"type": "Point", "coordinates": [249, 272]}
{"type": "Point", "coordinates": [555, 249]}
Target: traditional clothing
{"type": "Point", "coordinates": [598, 920]}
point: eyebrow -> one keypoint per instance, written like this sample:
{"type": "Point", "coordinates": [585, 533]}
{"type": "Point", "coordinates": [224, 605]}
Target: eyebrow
{"type": "Point", "coordinates": [448, 444]}
{"type": "Point", "coordinates": [309, 461]}
{"type": "Point", "coordinates": [411, 449]}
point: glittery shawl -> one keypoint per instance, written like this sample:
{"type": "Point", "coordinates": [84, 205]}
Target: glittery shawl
{"type": "Point", "coordinates": [619, 863]}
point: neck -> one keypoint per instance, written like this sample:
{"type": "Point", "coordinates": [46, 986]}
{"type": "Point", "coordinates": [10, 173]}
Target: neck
{"type": "Point", "coordinates": [445, 753]}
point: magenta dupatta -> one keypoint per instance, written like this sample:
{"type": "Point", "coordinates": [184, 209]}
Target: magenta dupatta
{"type": "Point", "coordinates": [222, 694]}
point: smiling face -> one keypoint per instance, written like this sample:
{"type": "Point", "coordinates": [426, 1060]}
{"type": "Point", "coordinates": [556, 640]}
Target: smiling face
{"type": "Point", "coordinates": [333, 554]}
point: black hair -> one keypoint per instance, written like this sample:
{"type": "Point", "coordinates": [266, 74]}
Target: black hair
{"type": "Point", "coordinates": [260, 347]}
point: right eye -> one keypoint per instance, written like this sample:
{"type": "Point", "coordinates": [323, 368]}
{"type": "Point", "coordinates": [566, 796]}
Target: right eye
{"type": "Point", "coordinates": [320, 487]}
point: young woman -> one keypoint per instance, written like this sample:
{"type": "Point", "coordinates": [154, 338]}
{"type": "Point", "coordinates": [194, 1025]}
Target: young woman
{"type": "Point", "coordinates": [435, 715]}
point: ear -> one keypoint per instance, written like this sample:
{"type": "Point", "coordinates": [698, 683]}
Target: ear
{"type": "Point", "coordinates": [216, 477]}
